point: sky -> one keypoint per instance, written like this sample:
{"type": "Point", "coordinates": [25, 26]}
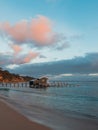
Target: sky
{"type": "Point", "coordinates": [49, 37]}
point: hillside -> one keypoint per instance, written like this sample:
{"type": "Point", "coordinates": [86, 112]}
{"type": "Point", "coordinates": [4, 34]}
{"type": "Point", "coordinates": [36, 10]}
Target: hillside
{"type": "Point", "coordinates": [6, 76]}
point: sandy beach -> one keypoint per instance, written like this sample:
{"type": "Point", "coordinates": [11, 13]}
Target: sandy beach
{"type": "Point", "coordinates": [12, 120]}
{"type": "Point", "coordinates": [19, 114]}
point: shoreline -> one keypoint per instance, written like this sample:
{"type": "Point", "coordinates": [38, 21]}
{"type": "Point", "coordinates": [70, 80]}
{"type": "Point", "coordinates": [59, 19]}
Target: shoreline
{"type": "Point", "coordinates": [47, 118]}
{"type": "Point", "coordinates": [12, 120]}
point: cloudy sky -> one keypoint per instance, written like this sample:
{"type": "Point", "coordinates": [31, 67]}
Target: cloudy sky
{"type": "Point", "coordinates": [49, 37]}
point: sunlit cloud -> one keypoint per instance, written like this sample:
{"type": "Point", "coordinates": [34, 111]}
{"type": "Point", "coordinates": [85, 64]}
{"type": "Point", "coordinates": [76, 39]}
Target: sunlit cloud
{"type": "Point", "coordinates": [16, 48]}
{"type": "Point", "coordinates": [66, 75]}
{"type": "Point", "coordinates": [12, 66]}
{"type": "Point", "coordinates": [31, 55]}
{"type": "Point", "coordinates": [93, 74]}
{"type": "Point", "coordinates": [39, 32]}
{"type": "Point", "coordinates": [9, 59]}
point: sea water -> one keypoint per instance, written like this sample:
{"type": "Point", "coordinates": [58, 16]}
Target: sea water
{"type": "Point", "coordinates": [50, 106]}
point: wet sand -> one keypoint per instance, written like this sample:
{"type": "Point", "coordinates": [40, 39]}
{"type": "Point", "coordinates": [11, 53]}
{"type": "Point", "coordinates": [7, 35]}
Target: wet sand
{"type": "Point", "coordinates": [12, 120]}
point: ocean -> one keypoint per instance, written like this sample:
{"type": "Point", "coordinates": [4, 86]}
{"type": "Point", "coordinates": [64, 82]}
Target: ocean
{"type": "Point", "coordinates": [52, 105]}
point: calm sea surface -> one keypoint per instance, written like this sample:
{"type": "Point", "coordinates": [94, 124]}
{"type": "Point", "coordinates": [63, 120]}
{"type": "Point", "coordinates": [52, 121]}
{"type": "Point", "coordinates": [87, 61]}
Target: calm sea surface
{"type": "Point", "coordinates": [54, 103]}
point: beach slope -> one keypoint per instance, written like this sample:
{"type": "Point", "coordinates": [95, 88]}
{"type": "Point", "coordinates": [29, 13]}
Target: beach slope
{"type": "Point", "coordinates": [12, 120]}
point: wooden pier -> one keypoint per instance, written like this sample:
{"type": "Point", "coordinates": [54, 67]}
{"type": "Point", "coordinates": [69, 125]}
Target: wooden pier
{"type": "Point", "coordinates": [62, 84]}
{"type": "Point", "coordinates": [15, 85]}
{"type": "Point", "coordinates": [27, 85]}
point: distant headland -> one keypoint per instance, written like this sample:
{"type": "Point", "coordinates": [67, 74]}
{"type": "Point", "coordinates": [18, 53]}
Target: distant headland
{"type": "Point", "coordinates": [6, 76]}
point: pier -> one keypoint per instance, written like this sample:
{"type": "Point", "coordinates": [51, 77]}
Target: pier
{"type": "Point", "coordinates": [27, 85]}
{"type": "Point", "coordinates": [62, 84]}
{"type": "Point", "coordinates": [15, 85]}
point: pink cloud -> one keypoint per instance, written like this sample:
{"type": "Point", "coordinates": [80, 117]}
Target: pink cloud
{"type": "Point", "coordinates": [17, 59]}
{"type": "Point", "coordinates": [30, 56]}
{"type": "Point", "coordinates": [16, 48]}
{"type": "Point", "coordinates": [25, 58]}
{"type": "Point", "coordinates": [41, 30]}
{"type": "Point", "coordinates": [38, 31]}
{"type": "Point", "coordinates": [18, 32]}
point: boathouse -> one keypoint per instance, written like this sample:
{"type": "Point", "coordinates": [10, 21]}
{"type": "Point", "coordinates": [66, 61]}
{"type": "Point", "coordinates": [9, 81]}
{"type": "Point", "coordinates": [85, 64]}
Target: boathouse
{"type": "Point", "coordinates": [39, 83]}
